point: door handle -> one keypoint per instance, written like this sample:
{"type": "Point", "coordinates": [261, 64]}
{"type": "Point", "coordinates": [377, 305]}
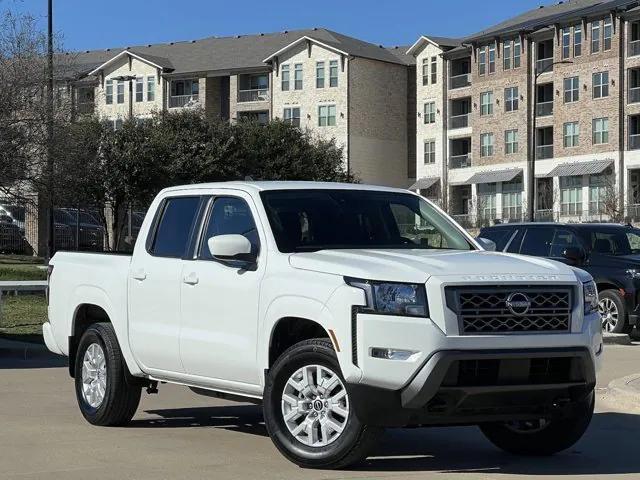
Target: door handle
{"type": "Point", "coordinates": [139, 275]}
{"type": "Point", "coordinates": [191, 279]}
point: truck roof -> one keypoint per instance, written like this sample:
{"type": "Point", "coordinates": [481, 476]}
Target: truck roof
{"type": "Point", "coordinates": [260, 186]}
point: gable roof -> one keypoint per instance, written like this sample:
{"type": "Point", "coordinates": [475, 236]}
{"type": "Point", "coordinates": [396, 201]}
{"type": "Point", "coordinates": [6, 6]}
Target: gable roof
{"type": "Point", "coordinates": [158, 62]}
{"type": "Point", "coordinates": [228, 54]}
{"type": "Point", "coordinates": [445, 43]}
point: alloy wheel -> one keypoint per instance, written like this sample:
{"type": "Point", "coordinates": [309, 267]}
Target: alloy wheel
{"type": "Point", "coordinates": [609, 314]}
{"type": "Point", "coordinates": [94, 375]}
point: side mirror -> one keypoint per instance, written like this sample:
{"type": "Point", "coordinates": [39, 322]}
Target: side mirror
{"type": "Point", "coordinates": [230, 247]}
{"type": "Point", "coordinates": [573, 255]}
{"type": "Point", "coordinates": [487, 244]}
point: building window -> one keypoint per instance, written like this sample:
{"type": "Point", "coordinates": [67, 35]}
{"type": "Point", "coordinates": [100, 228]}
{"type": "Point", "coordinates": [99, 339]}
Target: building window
{"type": "Point", "coordinates": [492, 58]}
{"type": "Point", "coordinates": [517, 49]}
{"type": "Point", "coordinates": [608, 33]}
{"type": "Point", "coordinates": [571, 132]}
{"type": "Point", "coordinates": [292, 115]}
{"type": "Point", "coordinates": [118, 123]}
{"type": "Point", "coordinates": [429, 151]}
{"type": "Point", "coordinates": [600, 84]}
{"type": "Point", "coordinates": [486, 144]}
{"type": "Point", "coordinates": [482, 61]}
{"type": "Point", "coordinates": [511, 99]}
{"type": "Point", "coordinates": [109, 92]}
{"type": "Point", "coordinates": [120, 91]}
{"type": "Point", "coordinates": [320, 75]}
{"type": "Point", "coordinates": [430, 112]}
{"type": "Point", "coordinates": [600, 131]}
{"type": "Point", "coordinates": [151, 88]}
{"type": "Point", "coordinates": [139, 89]}
{"type": "Point", "coordinates": [506, 54]}
{"type": "Point", "coordinates": [297, 76]}
{"type": "Point", "coordinates": [566, 42]}
{"type": "Point", "coordinates": [333, 73]}
{"type": "Point", "coordinates": [434, 70]}
{"type": "Point", "coordinates": [577, 40]}
{"type": "Point", "coordinates": [600, 187]}
{"type": "Point", "coordinates": [512, 199]}
{"type": "Point", "coordinates": [486, 103]}
{"type": "Point", "coordinates": [571, 195]}
{"type": "Point", "coordinates": [284, 78]}
{"type": "Point", "coordinates": [571, 89]}
{"type": "Point", "coordinates": [595, 36]}
{"type": "Point", "coordinates": [425, 71]}
{"type": "Point", "coordinates": [511, 141]}
{"type": "Point", "coordinates": [326, 115]}
{"type": "Point", "coordinates": [487, 200]}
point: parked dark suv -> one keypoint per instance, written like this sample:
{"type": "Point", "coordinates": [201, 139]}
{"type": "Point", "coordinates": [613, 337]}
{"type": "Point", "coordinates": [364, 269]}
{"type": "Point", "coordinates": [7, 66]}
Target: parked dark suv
{"type": "Point", "coordinates": [609, 252]}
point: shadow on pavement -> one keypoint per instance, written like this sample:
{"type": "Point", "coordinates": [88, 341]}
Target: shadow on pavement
{"type": "Point", "coordinates": [17, 355]}
{"type": "Point", "coordinates": [240, 418]}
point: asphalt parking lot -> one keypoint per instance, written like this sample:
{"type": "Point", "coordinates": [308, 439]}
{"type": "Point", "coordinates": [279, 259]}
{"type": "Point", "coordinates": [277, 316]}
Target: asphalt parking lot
{"type": "Point", "coordinates": [179, 435]}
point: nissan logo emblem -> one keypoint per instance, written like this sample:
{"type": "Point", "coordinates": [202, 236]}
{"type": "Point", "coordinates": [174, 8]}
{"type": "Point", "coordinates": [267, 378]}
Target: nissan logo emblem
{"type": "Point", "coordinates": [518, 303]}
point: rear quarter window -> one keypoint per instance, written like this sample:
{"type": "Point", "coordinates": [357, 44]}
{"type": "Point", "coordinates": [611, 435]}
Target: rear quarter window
{"type": "Point", "coordinates": [174, 227]}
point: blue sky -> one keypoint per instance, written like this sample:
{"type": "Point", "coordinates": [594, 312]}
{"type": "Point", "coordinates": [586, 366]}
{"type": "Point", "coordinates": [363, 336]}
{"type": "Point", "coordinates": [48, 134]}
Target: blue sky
{"type": "Point", "coordinates": [93, 24]}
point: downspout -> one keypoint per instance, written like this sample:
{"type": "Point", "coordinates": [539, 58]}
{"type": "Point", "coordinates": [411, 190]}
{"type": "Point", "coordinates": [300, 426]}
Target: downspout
{"type": "Point", "coordinates": [348, 76]}
{"type": "Point", "coordinates": [622, 118]}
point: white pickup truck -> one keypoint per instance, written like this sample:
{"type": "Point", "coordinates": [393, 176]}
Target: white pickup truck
{"type": "Point", "coordinates": [343, 309]}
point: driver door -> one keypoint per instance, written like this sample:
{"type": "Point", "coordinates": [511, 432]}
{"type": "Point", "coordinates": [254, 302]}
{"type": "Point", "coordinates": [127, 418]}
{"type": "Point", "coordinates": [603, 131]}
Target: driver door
{"type": "Point", "coordinates": [220, 299]}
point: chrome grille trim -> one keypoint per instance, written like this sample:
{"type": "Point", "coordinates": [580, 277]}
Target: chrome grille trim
{"type": "Point", "coordinates": [483, 310]}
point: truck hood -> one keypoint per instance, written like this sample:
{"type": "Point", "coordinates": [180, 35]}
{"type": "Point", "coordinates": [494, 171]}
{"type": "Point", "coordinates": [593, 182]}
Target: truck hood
{"type": "Point", "coordinates": [418, 265]}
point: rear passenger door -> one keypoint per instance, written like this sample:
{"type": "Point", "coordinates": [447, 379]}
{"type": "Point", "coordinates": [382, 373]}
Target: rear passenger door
{"type": "Point", "coordinates": [154, 285]}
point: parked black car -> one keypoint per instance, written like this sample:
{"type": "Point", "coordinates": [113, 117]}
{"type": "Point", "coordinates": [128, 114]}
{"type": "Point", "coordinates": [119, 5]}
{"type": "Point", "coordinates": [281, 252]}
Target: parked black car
{"type": "Point", "coordinates": [609, 252]}
{"type": "Point", "coordinates": [11, 236]}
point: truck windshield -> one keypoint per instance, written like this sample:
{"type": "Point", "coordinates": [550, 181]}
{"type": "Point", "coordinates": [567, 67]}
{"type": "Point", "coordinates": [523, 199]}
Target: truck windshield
{"type": "Point", "coordinates": [310, 220]}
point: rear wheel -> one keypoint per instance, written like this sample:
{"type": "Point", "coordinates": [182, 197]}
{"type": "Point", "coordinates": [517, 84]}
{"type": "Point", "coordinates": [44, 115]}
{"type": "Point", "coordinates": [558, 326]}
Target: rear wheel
{"type": "Point", "coordinates": [104, 396]}
{"type": "Point", "coordinates": [307, 409]}
{"type": "Point", "coordinates": [543, 436]}
{"type": "Point", "coordinates": [613, 312]}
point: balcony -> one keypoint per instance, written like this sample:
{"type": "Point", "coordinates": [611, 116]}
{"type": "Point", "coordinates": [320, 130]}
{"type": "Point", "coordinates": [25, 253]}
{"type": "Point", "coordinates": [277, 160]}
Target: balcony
{"type": "Point", "coordinates": [544, 65]}
{"type": "Point", "coordinates": [634, 142]}
{"type": "Point", "coordinates": [544, 151]}
{"type": "Point", "coordinates": [546, 215]}
{"type": "Point", "coordinates": [86, 108]}
{"type": "Point", "coordinates": [179, 101]}
{"type": "Point", "coordinates": [544, 109]}
{"type": "Point", "coordinates": [253, 95]}
{"type": "Point", "coordinates": [464, 220]}
{"type": "Point", "coordinates": [460, 81]}
{"type": "Point", "coordinates": [460, 161]}
{"type": "Point", "coordinates": [459, 121]}
{"type": "Point", "coordinates": [634, 48]}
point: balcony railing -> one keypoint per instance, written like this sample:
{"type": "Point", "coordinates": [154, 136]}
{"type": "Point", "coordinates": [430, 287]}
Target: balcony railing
{"type": "Point", "coordinates": [544, 109]}
{"type": "Point", "coordinates": [632, 212]}
{"type": "Point", "coordinates": [464, 220]}
{"type": "Point", "coordinates": [459, 121]}
{"type": "Point", "coordinates": [85, 108]}
{"type": "Point", "coordinates": [511, 215]}
{"type": "Point", "coordinates": [544, 151]}
{"type": "Point", "coordinates": [547, 215]}
{"type": "Point", "coordinates": [178, 101]}
{"type": "Point", "coordinates": [544, 65]}
{"type": "Point", "coordinates": [460, 161]}
{"type": "Point", "coordinates": [634, 141]}
{"type": "Point", "coordinates": [634, 48]}
{"type": "Point", "coordinates": [460, 81]}
{"type": "Point", "coordinates": [634, 95]}
{"type": "Point", "coordinates": [254, 95]}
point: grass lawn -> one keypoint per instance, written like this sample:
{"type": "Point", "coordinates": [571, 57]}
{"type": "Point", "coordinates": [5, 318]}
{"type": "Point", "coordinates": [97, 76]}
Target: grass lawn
{"type": "Point", "coordinates": [22, 316]}
{"type": "Point", "coordinates": [21, 267]}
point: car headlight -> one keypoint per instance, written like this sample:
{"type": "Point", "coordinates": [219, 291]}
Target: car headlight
{"type": "Point", "coordinates": [590, 297]}
{"type": "Point", "coordinates": [402, 299]}
{"type": "Point", "coordinates": [633, 273]}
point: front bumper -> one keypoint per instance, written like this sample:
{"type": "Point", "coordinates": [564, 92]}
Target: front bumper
{"type": "Point", "coordinates": [469, 387]}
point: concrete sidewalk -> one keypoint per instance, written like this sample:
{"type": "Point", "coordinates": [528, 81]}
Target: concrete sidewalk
{"type": "Point", "coordinates": [624, 394]}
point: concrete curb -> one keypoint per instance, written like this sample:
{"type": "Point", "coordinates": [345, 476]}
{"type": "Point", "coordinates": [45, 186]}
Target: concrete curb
{"type": "Point", "coordinates": [616, 339]}
{"type": "Point", "coordinates": [624, 394]}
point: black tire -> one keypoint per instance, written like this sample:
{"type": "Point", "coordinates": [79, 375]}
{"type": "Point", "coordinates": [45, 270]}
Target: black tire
{"type": "Point", "coordinates": [121, 398]}
{"type": "Point", "coordinates": [556, 436]}
{"type": "Point", "coordinates": [622, 325]}
{"type": "Point", "coordinates": [351, 446]}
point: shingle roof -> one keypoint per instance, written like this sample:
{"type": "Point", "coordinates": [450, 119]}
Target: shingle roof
{"type": "Point", "coordinates": [424, 183]}
{"type": "Point", "coordinates": [233, 53]}
{"type": "Point", "coordinates": [580, 168]}
{"type": "Point", "coordinates": [401, 53]}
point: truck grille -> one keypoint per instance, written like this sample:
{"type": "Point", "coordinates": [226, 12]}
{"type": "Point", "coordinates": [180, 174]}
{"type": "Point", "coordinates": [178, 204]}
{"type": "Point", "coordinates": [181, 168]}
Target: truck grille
{"type": "Point", "coordinates": [490, 310]}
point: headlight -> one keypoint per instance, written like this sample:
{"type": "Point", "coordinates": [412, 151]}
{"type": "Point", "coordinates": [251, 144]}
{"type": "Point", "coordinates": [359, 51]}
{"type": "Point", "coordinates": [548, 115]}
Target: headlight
{"type": "Point", "coordinates": [590, 297]}
{"type": "Point", "coordinates": [403, 299]}
{"type": "Point", "coordinates": [633, 273]}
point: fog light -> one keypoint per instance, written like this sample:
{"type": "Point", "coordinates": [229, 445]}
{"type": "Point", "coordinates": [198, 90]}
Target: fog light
{"type": "Point", "coordinates": [391, 353]}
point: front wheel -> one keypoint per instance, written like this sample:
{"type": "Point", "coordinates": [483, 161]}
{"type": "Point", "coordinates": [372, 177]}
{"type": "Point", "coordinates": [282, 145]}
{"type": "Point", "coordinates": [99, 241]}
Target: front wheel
{"type": "Point", "coordinates": [544, 436]}
{"type": "Point", "coordinates": [104, 396]}
{"type": "Point", "coordinates": [613, 312]}
{"type": "Point", "coordinates": [307, 409]}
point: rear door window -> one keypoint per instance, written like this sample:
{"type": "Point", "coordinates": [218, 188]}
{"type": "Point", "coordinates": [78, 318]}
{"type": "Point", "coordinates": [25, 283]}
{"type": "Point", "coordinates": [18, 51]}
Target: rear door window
{"type": "Point", "coordinates": [537, 241]}
{"type": "Point", "coordinates": [175, 225]}
{"type": "Point", "coordinates": [563, 239]}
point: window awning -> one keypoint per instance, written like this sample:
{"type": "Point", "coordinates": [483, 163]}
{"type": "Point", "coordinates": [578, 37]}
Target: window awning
{"type": "Point", "coordinates": [583, 168]}
{"type": "Point", "coordinates": [492, 176]}
{"type": "Point", "coordinates": [424, 183]}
